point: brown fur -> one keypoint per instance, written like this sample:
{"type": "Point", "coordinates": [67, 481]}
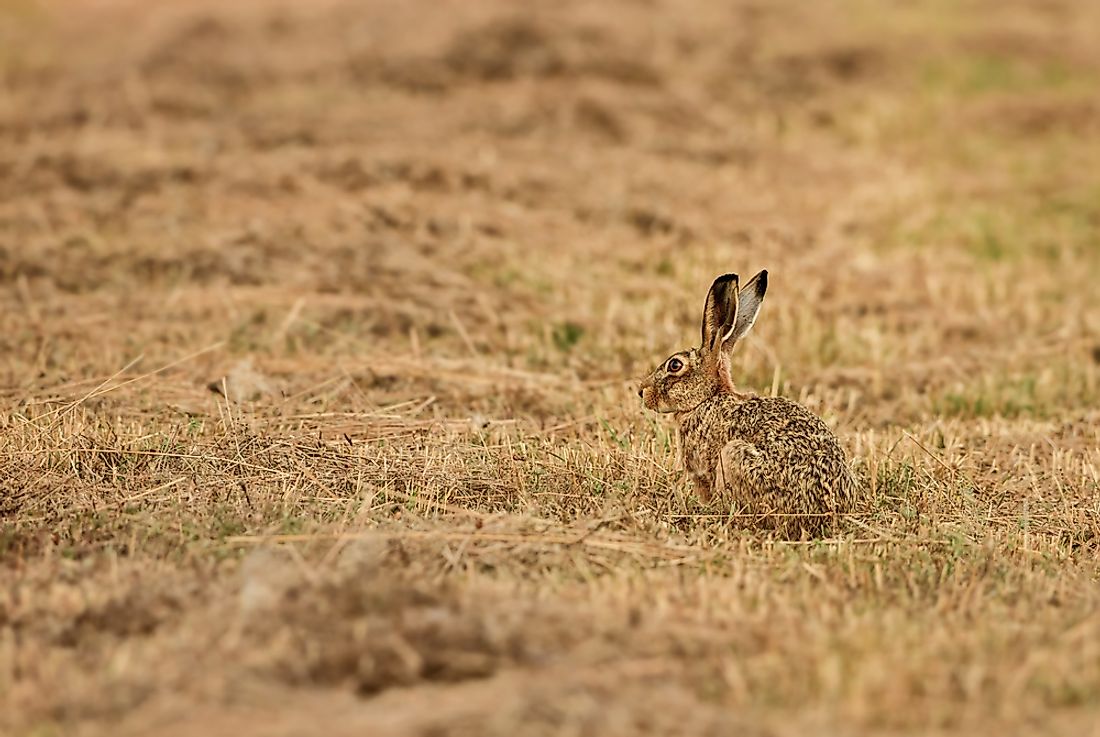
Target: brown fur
{"type": "Point", "coordinates": [778, 464]}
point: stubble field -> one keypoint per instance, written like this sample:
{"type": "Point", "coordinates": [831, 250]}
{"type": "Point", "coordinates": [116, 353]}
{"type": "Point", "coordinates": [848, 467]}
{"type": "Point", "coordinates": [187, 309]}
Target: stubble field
{"type": "Point", "coordinates": [320, 326]}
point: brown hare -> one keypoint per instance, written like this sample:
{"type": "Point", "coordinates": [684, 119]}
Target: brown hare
{"type": "Point", "coordinates": [776, 462]}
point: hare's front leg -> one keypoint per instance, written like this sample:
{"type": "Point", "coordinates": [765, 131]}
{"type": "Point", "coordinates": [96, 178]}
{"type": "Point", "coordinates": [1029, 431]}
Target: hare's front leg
{"type": "Point", "coordinates": [703, 487]}
{"type": "Point", "coordinates": [701, 474]}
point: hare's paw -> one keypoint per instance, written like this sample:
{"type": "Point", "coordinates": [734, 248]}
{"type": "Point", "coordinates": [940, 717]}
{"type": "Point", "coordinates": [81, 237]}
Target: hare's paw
{"type": "Point", "coordinates": [703, 487]}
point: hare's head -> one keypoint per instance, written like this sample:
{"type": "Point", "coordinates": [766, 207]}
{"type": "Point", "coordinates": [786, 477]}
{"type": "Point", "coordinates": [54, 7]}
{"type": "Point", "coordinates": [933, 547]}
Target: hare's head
{"type": "Point", "coordinates": [687, 378]}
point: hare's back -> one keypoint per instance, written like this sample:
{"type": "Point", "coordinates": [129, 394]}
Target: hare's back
{"type": "Point", "coordinates": [779, 426]}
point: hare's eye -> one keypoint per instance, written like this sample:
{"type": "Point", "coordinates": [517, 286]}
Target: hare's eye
{"type": "Point", "coordinates": [674, 365]}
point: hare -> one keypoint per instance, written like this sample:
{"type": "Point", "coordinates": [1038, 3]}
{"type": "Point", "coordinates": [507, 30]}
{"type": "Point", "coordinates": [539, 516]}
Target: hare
{"type": "Point", "coordinates": [778, 463]}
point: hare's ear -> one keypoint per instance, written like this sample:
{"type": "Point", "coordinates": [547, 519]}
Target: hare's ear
{"type": "Point", "coordinates": [749, 300]}
{"type": "Point", "coordinates": [720, 311]}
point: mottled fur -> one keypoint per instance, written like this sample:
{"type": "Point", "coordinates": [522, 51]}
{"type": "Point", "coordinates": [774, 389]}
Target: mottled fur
{"type": "Point", "coordinates": [777, 464]}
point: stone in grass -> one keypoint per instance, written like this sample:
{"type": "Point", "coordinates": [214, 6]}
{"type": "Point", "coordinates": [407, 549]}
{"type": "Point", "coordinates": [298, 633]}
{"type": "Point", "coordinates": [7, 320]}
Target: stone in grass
{"type": "Point", "coordinates": [243, 383]}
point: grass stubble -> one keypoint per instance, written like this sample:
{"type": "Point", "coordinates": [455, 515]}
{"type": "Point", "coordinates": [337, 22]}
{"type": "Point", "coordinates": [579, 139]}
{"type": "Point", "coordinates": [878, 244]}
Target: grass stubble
{"type": "Point", "coordinates": [318, 332]}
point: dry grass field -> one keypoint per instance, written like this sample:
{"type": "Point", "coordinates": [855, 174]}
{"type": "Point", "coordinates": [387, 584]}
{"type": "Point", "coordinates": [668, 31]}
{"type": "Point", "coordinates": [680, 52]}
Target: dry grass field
{"type": "Point", "coordinates": [320, 327]}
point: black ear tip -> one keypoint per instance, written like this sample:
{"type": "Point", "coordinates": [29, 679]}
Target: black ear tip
{"type": "Point", "coordinates": [762, 280]}
{"type": "Point", "coordinates": [725, 278]}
